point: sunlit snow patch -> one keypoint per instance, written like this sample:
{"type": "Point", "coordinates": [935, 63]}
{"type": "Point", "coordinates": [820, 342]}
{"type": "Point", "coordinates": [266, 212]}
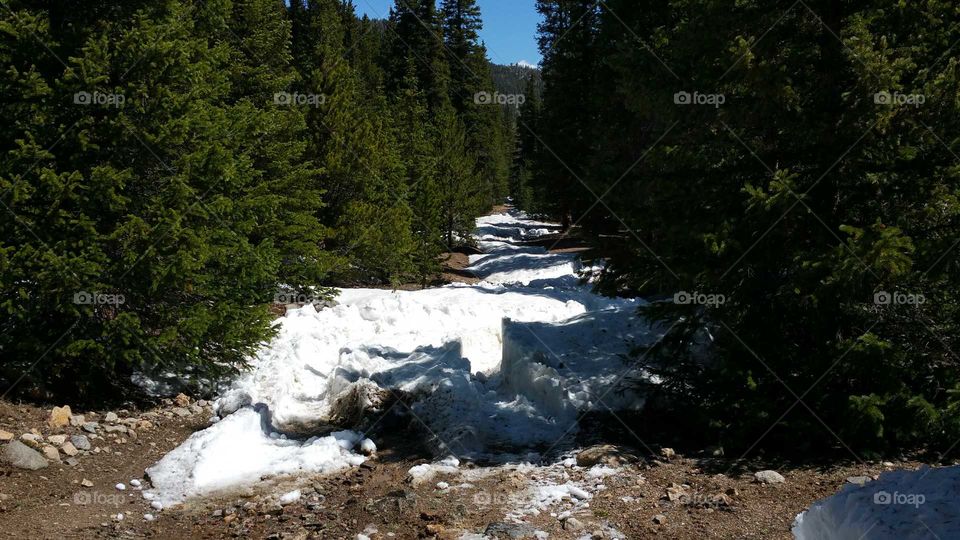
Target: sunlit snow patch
{"type": "Point", "coordinates": [489, 370]}
{"type": "Point", "coordinates": [237, 451]}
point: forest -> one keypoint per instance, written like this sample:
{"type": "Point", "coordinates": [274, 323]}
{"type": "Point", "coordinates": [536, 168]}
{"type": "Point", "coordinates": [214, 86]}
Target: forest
{"type": "Point", "coordinates": [172, 168]}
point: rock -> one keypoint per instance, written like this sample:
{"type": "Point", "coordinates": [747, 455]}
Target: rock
{"type": "Point", "coordinates": [156, 505]}
{"type": "Point", "coordinates": [111, 417]}
{"type": "Point", "coordinates": [231, 402]}
{"type": "Point", "coordinates": [675, 493]}
{"type": "Point", "coordinates": [115, 429]}
{"type": "Point", "coordinates": [6, 436]}
{"type": "Point", "coordinates": [144, 424]}
{"type": "Point", "coordinates": [90, 427]}
{"type": "Point", "coordinates": [69, 449]}
{"type": "Point", "coordinates": [368, 447]}
{"type": "Point", "coordinates": [57, 440]}
{"type": "Point", "coordinates": [659, 519]}
{"type": "Point", "coordinates": [80, 442]}
{"type": "Point", "coordinates": [51, 453]}
{"type": "Point", "coordinates": [32, 440]}
{"type": "Point", "coordinates": [858, 480]}
{"type": "Point", "coordinates": [572, 524]}
{"type": "Point", "coordinates": [668, 453]}
{"type": "Point", "coordinates": [181, 412]}
{"type": "Point", "coordinates": [510, 531]}
{"type": "Point", "coordinates": [120, 487]}
{"type": "Point", "coordinates": [77, 420]}
{"type": "Point", "coordinates": [604, 454]}
{"type": "Point", "coordinates": [182, 400]}
{"type": "Point", "coordinates": [73, 462]}
{"type": "Point", "coordinates": [195, 409]}
{"type": "Point", "coordinates": [60, 417]}
{"type": "Point", "coordinates": [86, 483]}
{"type": "Point", "coordinates": [768, 477]}
{"type": "Point", "coordinates": [721, 500]}
{"type": "Point", "coordinates": [22, 456]}
{"type": "Point", "coordinates": [202, 403]}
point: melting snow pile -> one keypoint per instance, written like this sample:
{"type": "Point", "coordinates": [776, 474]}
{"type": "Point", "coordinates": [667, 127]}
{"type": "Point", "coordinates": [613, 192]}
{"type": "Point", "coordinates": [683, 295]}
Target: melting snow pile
{"type": "Point", "coordinates": [503, 364]}
{"type": "Point", "coordinates": [900, 505]}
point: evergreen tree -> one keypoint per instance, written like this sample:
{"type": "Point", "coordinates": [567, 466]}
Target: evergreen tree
{"type": "Point", "coordinates": [418, 142]}
{"type": "Point", "coordinates": [362, 175]}
{"type": "Point", "coordinates": [139, 228]}
{"type": "Point", "coordinates": [461, 192]}
{"type": "Point", "coordinates": [471, 78]}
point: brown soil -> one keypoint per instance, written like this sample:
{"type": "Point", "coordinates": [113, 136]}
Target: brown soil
{"type": "Point", "coordinates": [49, 503]}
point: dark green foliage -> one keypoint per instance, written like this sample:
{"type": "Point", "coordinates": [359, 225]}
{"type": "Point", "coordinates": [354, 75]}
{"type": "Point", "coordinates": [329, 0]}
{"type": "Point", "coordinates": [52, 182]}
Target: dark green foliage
{"type": "Point", "coordinates": [216, 153]}
{"type": "Point", "coordinates": [156, 199]}
{"type": "Point", "coordinates": [798, 199]}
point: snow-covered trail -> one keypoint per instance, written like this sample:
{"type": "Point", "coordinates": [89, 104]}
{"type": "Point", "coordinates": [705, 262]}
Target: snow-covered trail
{"type": "Point", "coordinates": [496, 371]}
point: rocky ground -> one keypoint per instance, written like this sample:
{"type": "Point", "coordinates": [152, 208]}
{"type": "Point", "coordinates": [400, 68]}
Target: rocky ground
{"type": "Point", "coordinates": [66, 479]}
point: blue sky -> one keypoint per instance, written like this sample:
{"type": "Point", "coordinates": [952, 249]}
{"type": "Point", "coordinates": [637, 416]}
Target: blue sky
{"type": "Point", "coordinates": [509, 27]}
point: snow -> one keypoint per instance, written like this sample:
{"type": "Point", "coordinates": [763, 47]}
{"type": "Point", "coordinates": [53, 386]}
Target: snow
{"type": "Point", "coordinates": [492, 371]}
{"type": "Point", "coordinates": [368, 447]}
{"type": "Point", "coordinates": [289, 498]}
{"type": "Point", "coordinates": [900, 505]}
{"type": "Point", "coordinates": [237, 451]}
{"type": "Point", "coordinates": [425, 472]}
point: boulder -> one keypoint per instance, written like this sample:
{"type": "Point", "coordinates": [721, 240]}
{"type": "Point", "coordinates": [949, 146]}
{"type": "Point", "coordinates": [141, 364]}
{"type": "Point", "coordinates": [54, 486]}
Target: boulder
{"type": "Point", "coordinates": [51, 453]}
{"type": "Point", "coordinates": [59, 417]}
{"type": "Point", "coordinates": [769, 477]}
{"type": "Point", "coordinates": [604, 454]}
{"type": "Point", "coordinates": [22, 456]}
{"type": "Point", "coordinates": [32, 440]}
{"type": "Point", "coordinates": [57, 440]}
{"type": "Point", "coordinates": [510, 531]}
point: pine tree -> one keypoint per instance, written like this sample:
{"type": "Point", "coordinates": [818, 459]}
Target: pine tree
{"type": "Point", "coordinates": [418, 141]}
{"type": "Point", "coordinates": [417, 33]}
{"type": "Point", "coordinates": [362, 175]}
{"type": "Point", "coordinates": [462, 195]}
{"type": "Point", "coordinates": [139, 229]}
{"type": "Point", "coordinates": [470, 79]}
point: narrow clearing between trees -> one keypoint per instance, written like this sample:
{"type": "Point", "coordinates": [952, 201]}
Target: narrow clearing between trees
{"type": "Point", "coordinates": [467, 411]}
{"type": "Point", "coordinates": [494, 372]}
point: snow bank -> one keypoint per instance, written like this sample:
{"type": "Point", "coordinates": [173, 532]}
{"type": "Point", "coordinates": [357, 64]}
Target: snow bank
{"type": "Point", "coordinates": [501, 366]}
{"type": "Point", "coordinates": [900, 505]}
{"type": "Point", "coordinates": [238, 451]}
